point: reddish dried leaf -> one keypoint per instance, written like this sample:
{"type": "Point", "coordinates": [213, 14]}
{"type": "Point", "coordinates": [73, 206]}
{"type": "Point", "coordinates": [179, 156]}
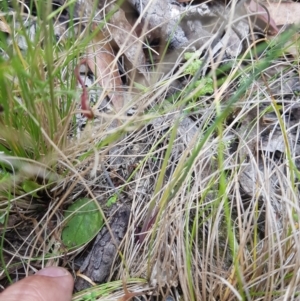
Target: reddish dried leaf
{"type": "Point", "coordinates": [127, 295]}
{"type": "Point", "coordinates": [263, 15]}
{"type": "Point", "coordinates": [87, 111]}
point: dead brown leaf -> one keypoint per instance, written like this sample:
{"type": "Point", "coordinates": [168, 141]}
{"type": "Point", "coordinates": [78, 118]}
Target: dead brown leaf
{"type": "Point", "coordinates": [284, 13]}
{"type": "Point", "coordinates": [128, 42]}
{"type": "Point", "coordinates": [102, 62]}
{"type": "Point", "coordinates": [4, 27]}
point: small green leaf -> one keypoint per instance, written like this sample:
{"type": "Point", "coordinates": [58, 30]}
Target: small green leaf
{"type": "Point", "coordinates": [83, 223]}
{"type": "Point", "coordinates": [112, 200]}
{"type": "Point", "coordinates": [188, 55]}
{"type": "Point", "coordinates": [140, 87]}
{"type": "Point", "coordinates": [295, 217]}
{"type": "Point", "coordinates": [194, 65]}
{"type": "Point", "coordinates": [207, 86]}
{"type": "Point", "coordinates": [29, 187]}
{"type": "Point", "coordinates": [270, 109]}
{"type": "Point", "coordinates": [4, 176]}
{"type": "Point", "coordinates": [2, 218]}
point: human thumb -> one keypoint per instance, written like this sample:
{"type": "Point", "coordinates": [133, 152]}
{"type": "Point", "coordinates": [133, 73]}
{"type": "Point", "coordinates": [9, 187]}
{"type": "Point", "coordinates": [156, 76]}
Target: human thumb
{"type": "Point", "coordinates": [48, 284]}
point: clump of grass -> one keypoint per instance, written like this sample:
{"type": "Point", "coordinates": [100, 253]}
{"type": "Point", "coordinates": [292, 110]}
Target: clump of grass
{"type": "Point", "coordinates": [38, 102]}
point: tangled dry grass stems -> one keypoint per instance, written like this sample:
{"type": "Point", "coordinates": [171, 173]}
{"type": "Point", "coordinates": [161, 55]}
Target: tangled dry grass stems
{"type": "Point", "coordinates": [213, 184]}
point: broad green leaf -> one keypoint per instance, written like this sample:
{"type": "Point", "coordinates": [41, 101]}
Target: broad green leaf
{"type": "Point", "coordinates": [83, 223]}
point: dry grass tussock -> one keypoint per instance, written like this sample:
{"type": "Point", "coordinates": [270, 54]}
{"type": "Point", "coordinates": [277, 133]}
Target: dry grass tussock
{"type": "Point", "coordinates": [211, 179]}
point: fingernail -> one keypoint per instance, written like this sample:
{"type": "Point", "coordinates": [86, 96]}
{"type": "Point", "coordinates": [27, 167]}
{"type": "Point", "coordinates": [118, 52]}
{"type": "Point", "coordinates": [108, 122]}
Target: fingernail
{"type": "Point", "coordinates": [53, 272]}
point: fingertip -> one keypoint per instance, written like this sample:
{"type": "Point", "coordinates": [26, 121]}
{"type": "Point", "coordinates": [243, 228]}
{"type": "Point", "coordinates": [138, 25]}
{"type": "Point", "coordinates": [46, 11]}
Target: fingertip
{"type": "Point", "coordinates": [48, 284]}
{"type": "Point", "coordinates": [63, 279]}
{"type": "Point", "coordinates": [53, 272]}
